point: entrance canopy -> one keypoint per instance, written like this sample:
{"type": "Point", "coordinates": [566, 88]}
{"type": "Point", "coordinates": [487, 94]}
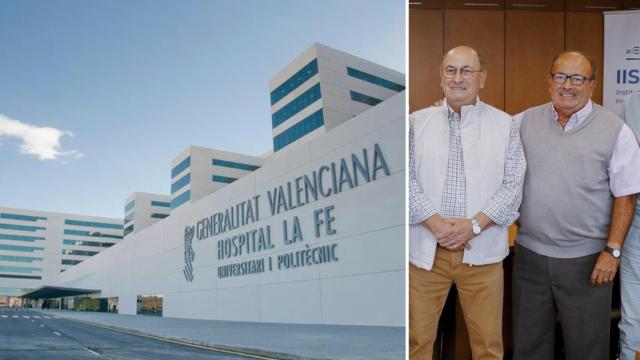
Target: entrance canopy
{"type": "Point", "coordinates": [50, 292]}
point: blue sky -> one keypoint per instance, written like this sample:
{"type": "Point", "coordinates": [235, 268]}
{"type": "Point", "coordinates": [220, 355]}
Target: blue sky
{"type": "Point", "coordinates": [97, 97]}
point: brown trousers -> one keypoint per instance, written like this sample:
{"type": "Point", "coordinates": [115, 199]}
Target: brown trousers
{"type": "Point", "coordinates": [480, 290]}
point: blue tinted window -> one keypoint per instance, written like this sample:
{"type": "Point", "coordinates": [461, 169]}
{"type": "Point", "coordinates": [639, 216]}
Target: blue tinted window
{"type": "Point", "coordinates": [298, 130]}
{"type": "Point", "coordinates": [129, 217]}
{"type": "Point", "coordinates": [70, 262]}
{"type": "Point", "coordinates": [159, 216]}
{"type": "Point", "coordinates": [234, 165]}
{"type": "Point", "coordinates": [20, 248]}
{"type": "Point", "coordinates": [21, 217]}
{"type": "Point", "coordinates": [179, 184]}
{"type": "Point", "coordinates": [93, 224]}
{"type": "Point", "coordinates": [369, 100]}
{"type": "Point", "coordinates": [296, 105]}
{"type": "Point", "coordinates": [20, 237]}
{"type": "Point", "coordinates": [78, 252]}
{"type": "Point", "coordinates": [181, 199]}
{"type": "Point", "coordinates": [294, 81]}
{"type": "Point", "coordinates": [91, 234]}
{"type": "Point", "coordinates": [160, 203]}
{"type": "Point", "coordinates": [180, 167]}
{"type": "Point", "coordinates": [223, 179]}
{"type": "Point", "coordinates": [21, 227]}
{"type": "Point", "coordinates": [81, 243]}
{"type": "Point", "coordinates": [128, 230]}
{"type": "Point", "coordinates": [130, 206]}
{"type": "Point", "coordinates": [25, 259]}
{"type": "Point", "coordinates": [374, 79]}
{"type": "Point", "coordinates": [19, 269]}
{"type": "Point", "coordinates": [11, 276]}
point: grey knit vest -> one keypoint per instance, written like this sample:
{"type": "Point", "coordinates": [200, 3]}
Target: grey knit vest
{"type": "Point", "coordinates": [566, 205]}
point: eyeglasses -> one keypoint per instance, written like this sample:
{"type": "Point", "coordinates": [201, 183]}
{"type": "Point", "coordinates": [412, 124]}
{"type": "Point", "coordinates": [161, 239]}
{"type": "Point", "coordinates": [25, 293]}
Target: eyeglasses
{"type": "Point", "coordinates": [576, 79]}
{"type": "Point", "coordinates": [466, 72]}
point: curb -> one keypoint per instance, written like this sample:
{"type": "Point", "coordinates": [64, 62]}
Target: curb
{"type": "Point", "coordinates": [237, 350]}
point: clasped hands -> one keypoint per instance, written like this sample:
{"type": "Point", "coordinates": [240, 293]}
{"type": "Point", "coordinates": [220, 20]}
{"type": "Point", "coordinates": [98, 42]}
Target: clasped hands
{"type": "Point", "coordinates": [452, 234]}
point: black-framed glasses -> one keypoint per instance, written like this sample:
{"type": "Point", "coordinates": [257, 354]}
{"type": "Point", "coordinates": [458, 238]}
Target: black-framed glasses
{"type": "Point", "coordinates": [576, 79]}
{"type": "Point", "coordinates": [466, 72]}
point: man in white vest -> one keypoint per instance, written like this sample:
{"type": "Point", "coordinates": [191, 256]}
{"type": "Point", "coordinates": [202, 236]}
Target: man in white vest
{"type": "Point", "coordinates": [466, 169]}
{"type": "Point", "coordinates": [583, 173]}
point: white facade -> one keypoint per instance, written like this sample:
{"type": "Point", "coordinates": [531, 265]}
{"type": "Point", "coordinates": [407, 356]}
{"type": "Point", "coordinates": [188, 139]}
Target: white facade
{"type": "Point", "coordinates": [335, 259]}
{"type": "Point", "coordinates": [142, 210]}
{"type": "Point", "coordinates": [35, 246]}
{"type": "Point", "coordinates": [325, 87]}
{"type": "Point", "coordinates": [198, 171]}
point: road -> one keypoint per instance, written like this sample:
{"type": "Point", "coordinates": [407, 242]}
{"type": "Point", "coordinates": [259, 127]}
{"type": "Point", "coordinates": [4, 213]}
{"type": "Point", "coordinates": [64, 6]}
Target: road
{"type": "Point", "coordinates": [28, 334]}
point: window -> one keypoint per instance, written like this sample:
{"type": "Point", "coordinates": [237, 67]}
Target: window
{"type": "Point", "coordinates": [294, 81]}
{"type": "Point", "coordinates": [159, 216]}
{"type": "Point", "coordinates": [298, 130]}
{"type": "Point", "coordinates": [181, 166]}
{"type": "Point", "coordinates": [181, 199]}
{"type": "Point", "coordinates": [234, 165]}
{"type": "Point", "coordinates": [374, 79]}
{"type": "Point", "coordinates": [10, 276]}
{"type": "Point", "coordinates": [70, 262]}
{"type": "Point", "coordinates": [366, 99]}
{"type": "Point", "coordinates": [81, 243]}
{"type": "Point", "coordinates": [128, 230]}
{"type": "Point", "coordinates": [161, 203]}
{"type": "Point", "coordinates": [21, 227]}
{"type": "Point", "coordinates": [130, 206]}
{"type": "Point", "coordinates": [19, 269]}
{"type": "Point", "coordinates": [78, 252]}
{"type": "Point", "coordinates": [129, 217]}
{"type": "Point", "coordinates": [92, 224]}
{"type": "Point", "coordinates": [179, 184]}
{"type": "Point", "coordinates": [20, 237]}
{"type": "Point", "coordinates": [223, 179]}
{"type": "Point", "coordinates": [296, 105]}
{"type": "Point", "coordinates": [20, 248]}
{"type": "Point", "coordinates": [21, 217]}
{"type": "Point", "coordinates": [91, 234]}
{"type": "Point", "coordinates": [14, 258]}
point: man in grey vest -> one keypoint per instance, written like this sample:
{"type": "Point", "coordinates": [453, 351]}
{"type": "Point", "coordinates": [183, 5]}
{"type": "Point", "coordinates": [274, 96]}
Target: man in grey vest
{"type": "Point", "coordinates": [579, 197]}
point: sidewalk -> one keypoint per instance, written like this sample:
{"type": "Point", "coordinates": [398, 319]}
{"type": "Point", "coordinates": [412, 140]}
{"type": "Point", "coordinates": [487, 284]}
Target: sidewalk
{"type": "Point", "coordinates": [286, 341]}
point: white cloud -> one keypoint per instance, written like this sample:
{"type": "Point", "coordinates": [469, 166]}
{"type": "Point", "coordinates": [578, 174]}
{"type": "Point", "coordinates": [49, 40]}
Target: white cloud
{"type": "Point", "coordinates": [43, 142]}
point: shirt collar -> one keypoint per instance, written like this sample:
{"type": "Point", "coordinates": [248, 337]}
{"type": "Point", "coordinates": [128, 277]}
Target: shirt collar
{"type": "Point", "coordinates": [464, 110]}
{"type": "Point", "coordinates": [577, 118]}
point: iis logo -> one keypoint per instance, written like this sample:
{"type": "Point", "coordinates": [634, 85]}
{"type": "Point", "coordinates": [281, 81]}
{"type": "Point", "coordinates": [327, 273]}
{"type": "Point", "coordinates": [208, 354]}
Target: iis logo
{"type": "Point", "coordinates": [189, 254]}
{"type": "Point", "coordinates": [633, 52]}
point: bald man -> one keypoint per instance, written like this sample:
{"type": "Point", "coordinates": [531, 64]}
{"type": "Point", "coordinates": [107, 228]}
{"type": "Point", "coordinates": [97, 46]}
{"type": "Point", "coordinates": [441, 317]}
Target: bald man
{"type": "Point", "coordinates": [466, 168]}
{"type": "Point", "coordinates": [583, 171]}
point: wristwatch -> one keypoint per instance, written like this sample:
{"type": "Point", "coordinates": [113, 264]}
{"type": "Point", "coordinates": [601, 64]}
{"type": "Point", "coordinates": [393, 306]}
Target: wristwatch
{"type": "Point", "coordinates": [616, 253]}
{"type": "Point", "coordinates": [475, 227]}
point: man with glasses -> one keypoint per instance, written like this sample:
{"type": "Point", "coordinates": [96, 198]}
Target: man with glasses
{"type": "Point", "coordinates": [466, 167]}
{"type": "Point", "coordinates": [583, 171]}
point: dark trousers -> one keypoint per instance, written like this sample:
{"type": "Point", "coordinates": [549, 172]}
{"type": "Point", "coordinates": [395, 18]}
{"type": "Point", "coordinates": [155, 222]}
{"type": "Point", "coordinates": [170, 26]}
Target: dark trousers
{"type": "Point", "coordinates": [545, 288]}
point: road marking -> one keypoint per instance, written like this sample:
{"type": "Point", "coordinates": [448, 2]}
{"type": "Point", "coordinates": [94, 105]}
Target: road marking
{"type": "Point", "coordinates": [25, 316]}
{"type": "Point", "coordinates": [57, 333]}
{"type": "Point", "coordinates": [36, 317]}
{"type": "Point", "coordinates": [93, 352]}
{"type": "Point", "coordinates": [41, 325]}
{"type": "Point", "coordinates": [4, 316]}
{"type": "Point", "coordinates": [46, 317]}
{"type": "Point", "coordinates": [15, 316]}
{"type": "Point", "coordinates": [56, 317]}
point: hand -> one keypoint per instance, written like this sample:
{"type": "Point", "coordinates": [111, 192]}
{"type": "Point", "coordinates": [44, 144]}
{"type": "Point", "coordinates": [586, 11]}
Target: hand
{"type": "Point", "coordinates": [605, 269]}
{"type": "Point", "coordinates": [462, 232]}
{"type": "Point", "coordinates": [438, 226]}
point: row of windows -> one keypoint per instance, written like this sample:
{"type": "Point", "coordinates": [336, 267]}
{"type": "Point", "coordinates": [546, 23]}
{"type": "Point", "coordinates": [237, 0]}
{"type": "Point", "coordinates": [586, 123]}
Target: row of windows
{"type": "Point", "coordinates": [130, 206]}
{"type": "Point", "coordinates": [70, 262]}
{"type": "Point", "coordinates": [223, 179]}
{"type": "Point", "coordinates": [366, 99]}
{"type": "Point", "coordinates": [181, 199]}
{"type": "Point", "coordinates": [179, 184]}
{"type": "Point", "coordinates": [90, 234]}
{"type": "Point", "coordinates": [93, 224]}
{"type": "Point", "coordinates": [294, 81]}
{"type": "Point", "coordinates": [21, 217]}
{"type": "Point", "coordinates": [159, 216]}
{"type": "Point", "coordinates": [180, 167]}
{"type": "Point", "coordinates": [20, 237]}
{"type": "Point", "coordinates": [20, 248]}
{"type": "Point", "coordinates": [296, 105]}
{"type": "Point", "coordinates": [13, 291]}
{"type": "Point", "coordinates": [160, 203]}
{"type": "Point", "coordinates": [234, 165]}
{"type": "Point", "coordinates": [19, 269]}
{"type": "Point", "coordinates": [86, 243]}
{"type": "Point", "coordinates": [298, 130]}
{"type": "Point", "coordinates": [128, 230]}
{"type": "Point", "coordinates": [374, 79]}
{"type": "Point", "coordinates": [26, 259]}
{"type": "Point", "coordinates": [10, 276]}
{"type": "Point", "coordinates": [21, 227]}
{"type": "Point", "coordinates": [129, 217]}
{"type": "Point", "coordinates": [78, 252]}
